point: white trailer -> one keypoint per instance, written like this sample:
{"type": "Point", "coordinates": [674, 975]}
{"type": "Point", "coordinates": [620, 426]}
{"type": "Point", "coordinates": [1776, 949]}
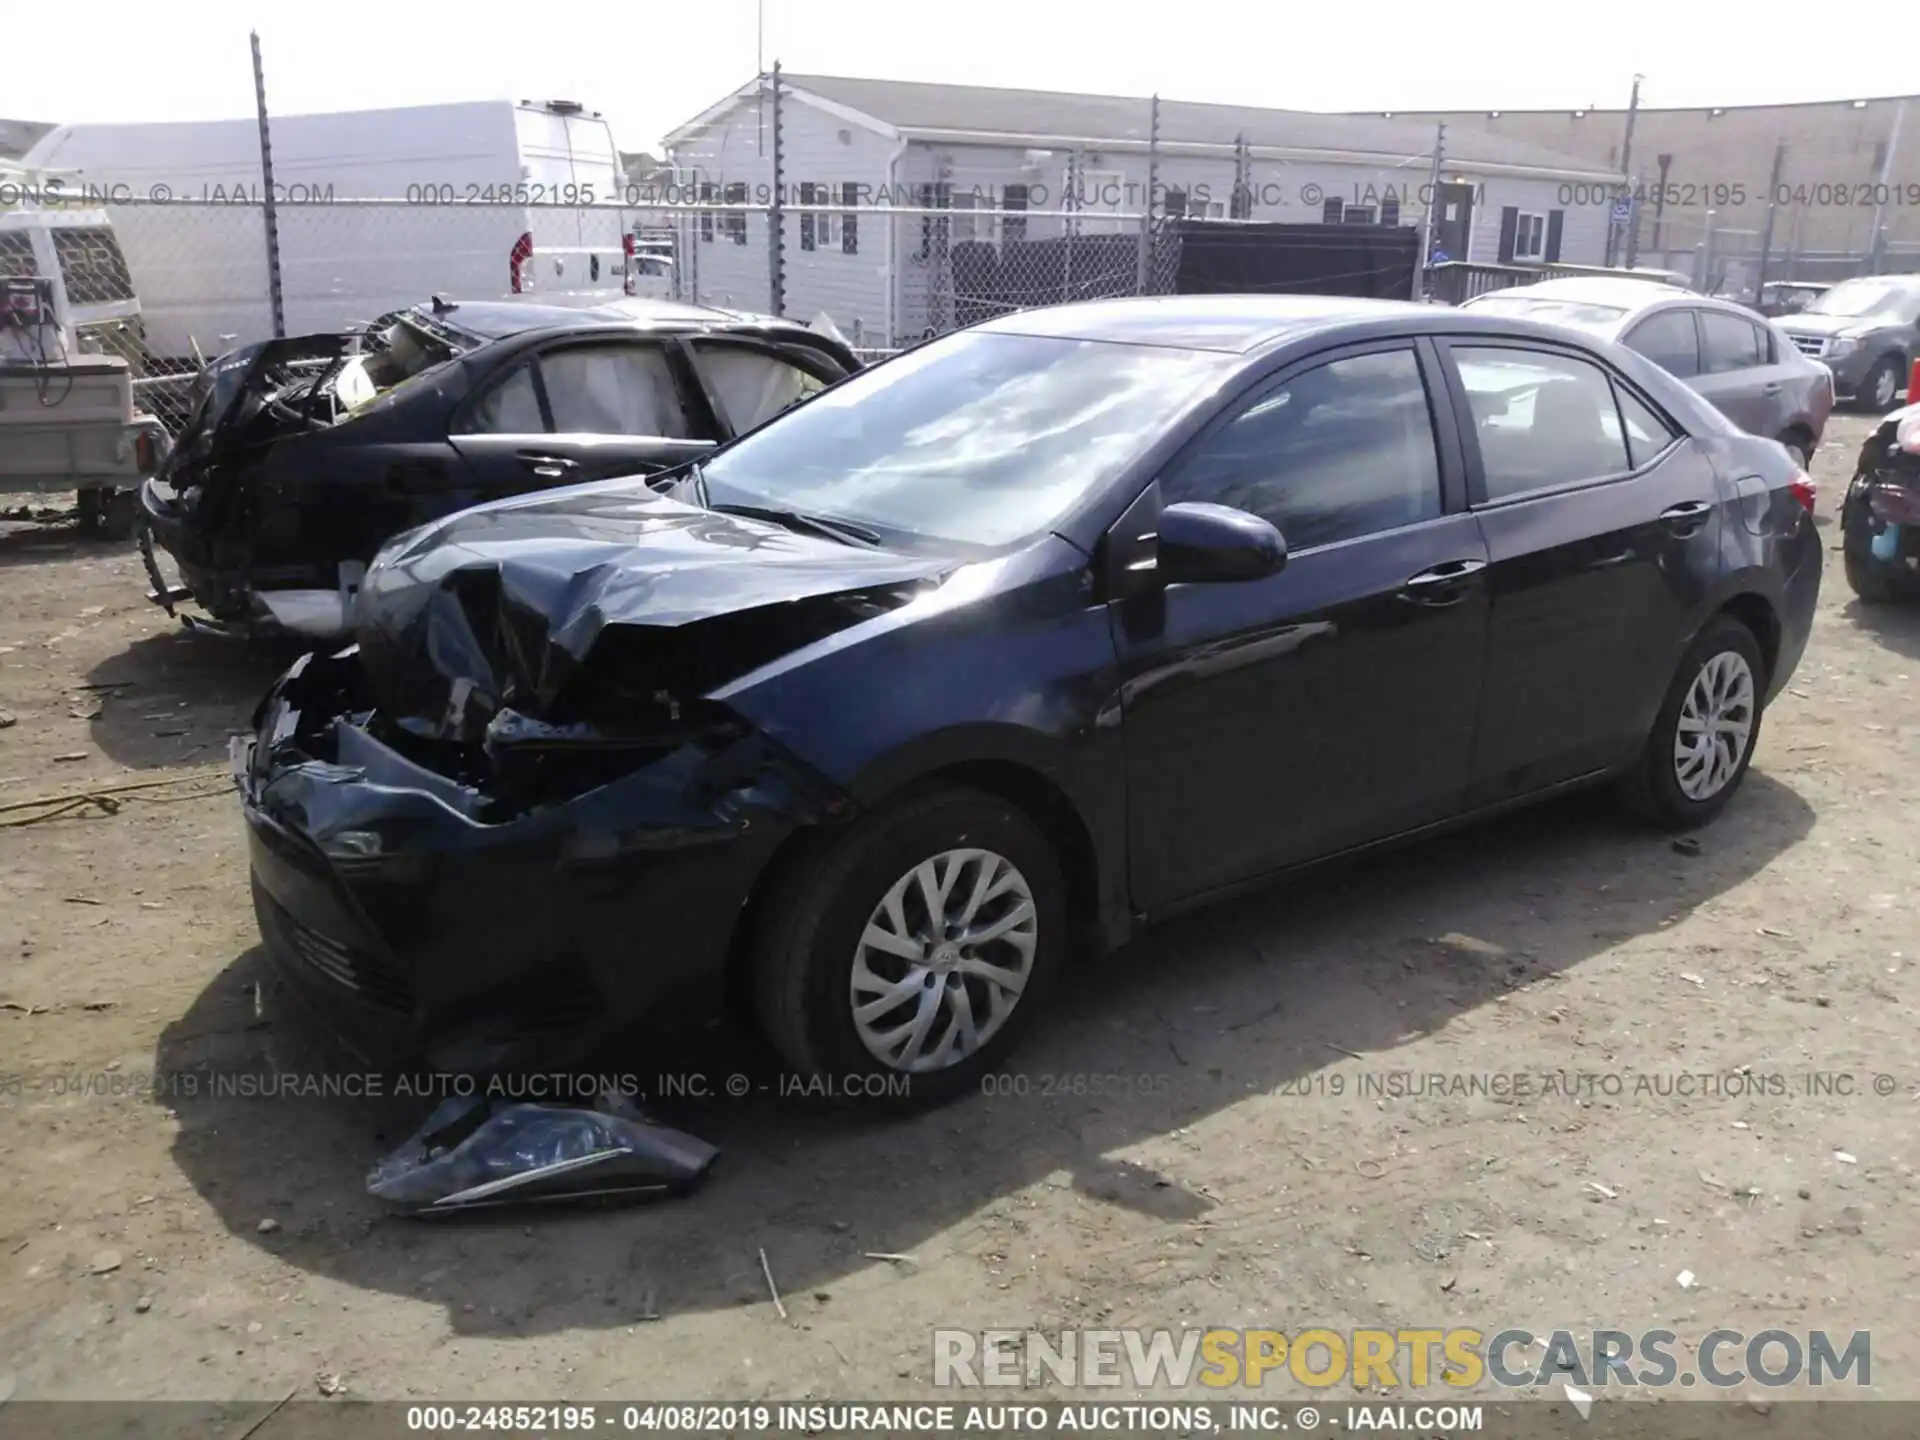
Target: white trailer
{"type": "Point", "coordinates": [479, 201]}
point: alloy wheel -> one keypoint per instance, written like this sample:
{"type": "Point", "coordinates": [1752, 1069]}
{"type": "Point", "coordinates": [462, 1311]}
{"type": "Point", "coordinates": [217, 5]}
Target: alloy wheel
{"type": "Point", "coordinates": [1715, 726]}
{"type": "Point", "coordinates": [1885, 382]}
{"type": "Point", "coordinates": [943, 960]}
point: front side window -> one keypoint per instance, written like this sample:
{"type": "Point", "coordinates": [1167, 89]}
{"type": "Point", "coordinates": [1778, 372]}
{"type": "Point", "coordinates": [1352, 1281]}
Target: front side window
{"type": "Point", "coordinates": [1345, 449]}
{"type": "Point", "coordinates": [752, 386]}
{"type": "Point", "coordinates": [1668, 339]}
{"type": "Point", "coordinates": [979, 438]}
{"type": "Point", "coordinates": [1542, 419]}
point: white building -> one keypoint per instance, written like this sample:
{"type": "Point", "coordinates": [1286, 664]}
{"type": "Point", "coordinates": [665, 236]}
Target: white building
{"type": "Point", "coordinates": [993, 154]}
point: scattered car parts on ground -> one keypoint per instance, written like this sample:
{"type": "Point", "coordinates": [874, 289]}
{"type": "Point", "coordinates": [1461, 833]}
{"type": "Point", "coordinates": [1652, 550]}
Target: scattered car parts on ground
{"type": "Point", "coordinates": [305, 455]}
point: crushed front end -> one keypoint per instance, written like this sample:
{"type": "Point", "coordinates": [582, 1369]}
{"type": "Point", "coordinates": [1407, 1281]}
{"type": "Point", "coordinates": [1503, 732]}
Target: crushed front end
{"type": "Point", "coordinates": [507, 899]}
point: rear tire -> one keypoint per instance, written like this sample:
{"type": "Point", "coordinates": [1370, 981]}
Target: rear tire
{"type": "Point", "coordinates": [821, 985]}
{"type": "Point", "coordinates": [1688, 770]}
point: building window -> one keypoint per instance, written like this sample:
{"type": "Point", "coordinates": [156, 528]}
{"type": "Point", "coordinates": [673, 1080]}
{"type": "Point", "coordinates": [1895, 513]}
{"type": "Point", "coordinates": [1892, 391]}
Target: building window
{"type": "Point", "coordinates": [1358, 215]}
{"type": "Point", "coordinates": [806, 220]}
{"type": "Point", "coordinates": [933, 228]}
{"type": "Point", "coordinates": [849, 223]}
{"type": "Point", "coordinates": [1333, 210]}
{"type": "Point", "coordinates": [706, 216]}
{"type": "Point", "coordinates": [1174, 206]}
{"type": "Point", "coordinates": [1389, 209]}
{"type": "Point", "coordinates": [817, 232]}
{"type": "Point", "coordinates": [973, 220]}
{"type": "Point", "coordinates": [1013, 224]}
{"type": "Point", "coordinates": [736, 220]}
{"type": "Point", "coordinates": [1530, 237]}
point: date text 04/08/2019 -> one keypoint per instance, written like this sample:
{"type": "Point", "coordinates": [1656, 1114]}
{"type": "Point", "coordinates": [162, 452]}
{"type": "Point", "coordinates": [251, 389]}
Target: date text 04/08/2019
{"type": "Point", "coordinates": [918, 1418]}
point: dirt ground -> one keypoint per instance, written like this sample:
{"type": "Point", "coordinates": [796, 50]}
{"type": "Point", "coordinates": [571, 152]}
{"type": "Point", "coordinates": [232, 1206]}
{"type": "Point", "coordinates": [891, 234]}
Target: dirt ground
{"type": "Point", "coordinates": [1239, 1169]}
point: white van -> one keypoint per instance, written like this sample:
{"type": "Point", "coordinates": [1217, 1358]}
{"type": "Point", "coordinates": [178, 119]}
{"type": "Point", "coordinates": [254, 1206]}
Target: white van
{"type": "Point", "coordinates": [484, 202]}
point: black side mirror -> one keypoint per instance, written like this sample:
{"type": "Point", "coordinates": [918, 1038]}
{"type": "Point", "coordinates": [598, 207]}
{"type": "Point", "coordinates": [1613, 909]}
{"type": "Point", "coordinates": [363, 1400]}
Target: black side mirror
{"type": "Point", "coordinates": [1200, 543]}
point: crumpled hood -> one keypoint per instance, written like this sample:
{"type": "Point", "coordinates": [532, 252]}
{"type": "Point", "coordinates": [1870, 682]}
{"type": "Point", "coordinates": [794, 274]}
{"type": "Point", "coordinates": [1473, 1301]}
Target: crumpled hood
{"type": "Point", "coordinates": [599, 602]}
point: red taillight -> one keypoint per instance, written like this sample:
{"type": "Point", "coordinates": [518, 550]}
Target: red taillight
{"type": "Point", "coordinates": [517, 258]}
{"type": "Point", "coordinates": [143, 452]}
{"type": "Point", "coordinates": [1804, 490]}
{"type": "Point", "coordinates": [628, 248]}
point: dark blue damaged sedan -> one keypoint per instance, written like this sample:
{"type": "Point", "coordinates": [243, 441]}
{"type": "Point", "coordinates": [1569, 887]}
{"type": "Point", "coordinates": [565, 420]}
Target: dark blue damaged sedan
{"type": "Point", "coordinates": [1037, 633]}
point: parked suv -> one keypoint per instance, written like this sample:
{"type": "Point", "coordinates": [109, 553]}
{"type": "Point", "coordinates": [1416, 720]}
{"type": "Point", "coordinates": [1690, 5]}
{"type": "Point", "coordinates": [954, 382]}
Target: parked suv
{"type": "Point", "coordinates": [1747, 368]}
{"type": "Point", "coordinates": [1864, 331]}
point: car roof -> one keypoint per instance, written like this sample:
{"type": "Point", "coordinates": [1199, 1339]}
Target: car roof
{"type": "Point", "coordinates": [1621, 293]}
{"type": "Point", "coordinates": [498, 319]}
{"type": "Point", "coordinates": [1235, 324]}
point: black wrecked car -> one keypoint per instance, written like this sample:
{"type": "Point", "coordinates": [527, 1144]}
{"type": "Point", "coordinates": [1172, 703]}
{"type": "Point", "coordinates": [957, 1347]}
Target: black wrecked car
{"type": "Point", "coordinates": [1035, 634]}
{"type": "Point", "coordinates": [303, 456]}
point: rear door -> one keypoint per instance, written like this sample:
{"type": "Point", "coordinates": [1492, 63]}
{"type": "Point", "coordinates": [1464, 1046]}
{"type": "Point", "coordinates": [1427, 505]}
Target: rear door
{"type": "Point", "coordinates": [1740, 373]}
{"type": "Point", "coordinates": [1602, 525]}
{"type": "Point", "coordinates": [748, 382]}
{"type": "Point", "coordinates": [579, 411]}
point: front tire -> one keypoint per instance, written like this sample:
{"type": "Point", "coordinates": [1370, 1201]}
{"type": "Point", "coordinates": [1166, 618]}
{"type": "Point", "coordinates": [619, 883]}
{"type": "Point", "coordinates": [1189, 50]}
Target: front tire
{"type": "Point", "coordinates": [1703, 739]}
{"type": "Point", "coordinates": [1880, 385]}
{"type": "Point", "coordinates": [904, 961]}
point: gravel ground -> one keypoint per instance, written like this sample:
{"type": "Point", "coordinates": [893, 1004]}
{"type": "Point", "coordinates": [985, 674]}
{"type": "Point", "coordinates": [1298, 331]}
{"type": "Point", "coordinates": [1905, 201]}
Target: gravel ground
{"type": "Point", "coordinates": [1239, 1164]}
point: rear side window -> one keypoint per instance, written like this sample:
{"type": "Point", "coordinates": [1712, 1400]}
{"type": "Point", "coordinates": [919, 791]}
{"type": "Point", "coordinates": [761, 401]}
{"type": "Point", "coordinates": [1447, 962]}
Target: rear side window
{"type": "Point", "coordinates": [1731, 343]}
{"type": "Point", "coordinates": [1542, 419]}
{"type": "Point", "coordinates": [511, 407]}
{"type": "Point", "coordinates": [751, 385]}
{"type": "Point", "coordinates": [1668, 339]}
{"type": "Point", "coordinates": [1647, 433]}
{"type": "Point", "coordinates": [613, 390]}
{"type": "Point", "coordinates": [91, 266]}
{"type": "Point", "coordinates": [1343, 450]}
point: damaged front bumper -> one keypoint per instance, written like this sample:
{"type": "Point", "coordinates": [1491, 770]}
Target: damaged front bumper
{"type": "Point", "coordinates": [499, 912]}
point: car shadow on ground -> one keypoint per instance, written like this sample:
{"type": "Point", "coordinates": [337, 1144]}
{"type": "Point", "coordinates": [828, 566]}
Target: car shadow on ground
{"type": "Point", "coordinates": [1895, 626]}
{"type": "Point", "coordinates": [175, 697]}
{"type": "Point", "coordinates": [1206, 1012]}
{"type": "Point", "coordinates": [24, 543]}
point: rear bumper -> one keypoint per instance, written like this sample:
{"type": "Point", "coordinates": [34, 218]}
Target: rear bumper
{"type": "Point", "coordinates": [425, 931]}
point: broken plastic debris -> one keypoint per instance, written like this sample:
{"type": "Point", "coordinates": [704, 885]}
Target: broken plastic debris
{"type": "Point", "coordinates": [1844, 1158]}
{"type": "Point", "coordinates": [1685, 1279]}
{"type": "Point", "coordinates": [473, 1153]}
{"type": "Point", "coordinates": [1582, 1401]}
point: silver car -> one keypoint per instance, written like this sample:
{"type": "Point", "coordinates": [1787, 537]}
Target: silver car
{"type": "Point", "coordinates": [1740, 362]}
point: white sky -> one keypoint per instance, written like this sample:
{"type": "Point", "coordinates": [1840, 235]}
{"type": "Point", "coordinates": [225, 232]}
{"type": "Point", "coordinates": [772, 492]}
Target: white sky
{"type": "Point", "coordinates": [649, 66]}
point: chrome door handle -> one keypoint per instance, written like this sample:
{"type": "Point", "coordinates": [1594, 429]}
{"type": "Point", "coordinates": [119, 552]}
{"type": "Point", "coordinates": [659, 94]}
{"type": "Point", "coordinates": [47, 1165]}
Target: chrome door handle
{"type": "Point", "coordinates": [1443, 584]}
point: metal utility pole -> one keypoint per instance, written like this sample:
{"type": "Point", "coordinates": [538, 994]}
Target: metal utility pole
{"type": "Point", "coordinates": [777, 213]}
{"type": "Point", "coordinates": [1425, 257]}
{"type": "Point", "coordinates": [275, 297]}
{"type": "Point", "coordinates": [1626, 168]}
{"type": "Point", "coordinates": [760, 74]}
{"type": "Point", "coordinates": [1880, 184]}
{"type": "Point", "coordinates": [1660, 203]}
{"type": "Point", "coordinates": [1766, 236]}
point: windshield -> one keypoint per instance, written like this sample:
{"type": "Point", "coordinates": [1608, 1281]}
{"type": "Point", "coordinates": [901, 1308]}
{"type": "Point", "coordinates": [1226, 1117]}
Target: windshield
{"type": "Point", "coordinates": [979, 438]}
{"type": "Point", "coordinates": [1862, 298]}
{"type": "Point", "coordinates": [1602, 319]}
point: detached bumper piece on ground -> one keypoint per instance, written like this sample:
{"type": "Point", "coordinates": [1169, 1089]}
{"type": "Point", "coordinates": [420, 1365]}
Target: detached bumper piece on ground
{"type": "Point", "coordinates": [476, 1154]}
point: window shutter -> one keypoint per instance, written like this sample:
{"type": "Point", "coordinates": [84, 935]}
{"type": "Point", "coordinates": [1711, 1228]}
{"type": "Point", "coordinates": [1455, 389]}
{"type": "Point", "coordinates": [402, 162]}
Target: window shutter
{"type": "Point", "coordinates": [1554, 219]}
{"type": "Point", "coordinates": [806, 221]}
{"type": "Point", "coordinates": [850, 222]}
{"type": "Point", "coordinates": [1332, 211]}
{"type": "Point", "coordinates": [1390, 209]}
{"type": "Point", "coordinates": [1509, 227]}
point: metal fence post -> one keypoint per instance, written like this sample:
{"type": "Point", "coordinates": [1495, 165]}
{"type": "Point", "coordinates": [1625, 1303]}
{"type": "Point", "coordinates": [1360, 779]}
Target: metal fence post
{"type": "Point", "coordinates": [777, 216]}
{"type": "Point", "coordinates": [1766, 236]}
{"type": "Point", "coordinates": [268, 214]}
{"type": "Point", "coordinates": [1153, 195]}
{"type": "Point", "coordinates": [1425, 257]}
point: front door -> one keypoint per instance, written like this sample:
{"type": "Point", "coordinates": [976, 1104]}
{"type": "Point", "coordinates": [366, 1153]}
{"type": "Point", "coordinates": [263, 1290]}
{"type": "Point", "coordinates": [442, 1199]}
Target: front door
{"type": "Point", "coordinates": [1334, 703]}
{"type": "Point", "coordinates": [1602, 524]}
{"type": "Point", "coordinates": [1453, 235]}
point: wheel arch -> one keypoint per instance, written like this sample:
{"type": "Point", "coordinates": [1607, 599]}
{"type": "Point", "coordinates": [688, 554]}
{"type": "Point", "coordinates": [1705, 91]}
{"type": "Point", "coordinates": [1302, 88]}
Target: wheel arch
{"type": "Point", "coordinates": [1003, 761]}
